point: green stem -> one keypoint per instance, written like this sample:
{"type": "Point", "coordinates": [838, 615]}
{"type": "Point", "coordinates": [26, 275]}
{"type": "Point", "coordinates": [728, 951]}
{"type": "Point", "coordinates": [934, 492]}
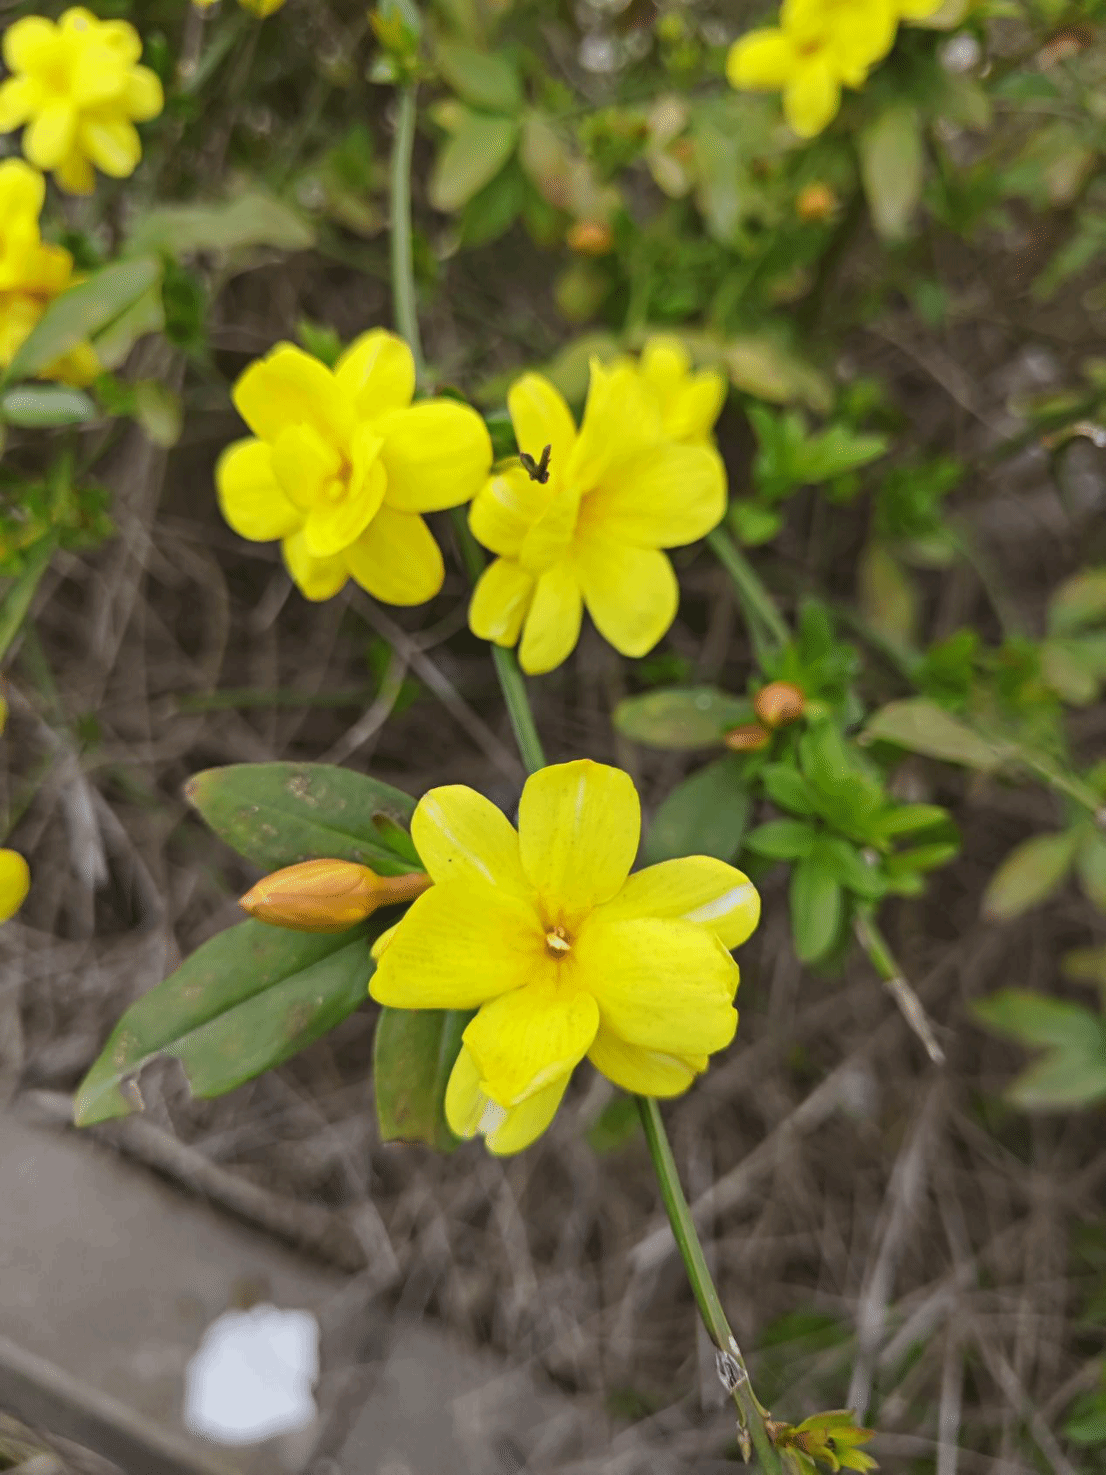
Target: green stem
{"type": "Point", "coordinates": [767, 625]}
{"type": "Point", "coordinates": [403, 274]}
{"type": "Point", "coordinates": [883, 960]}
{"type": "Point", "coordinates": [731, 1364]}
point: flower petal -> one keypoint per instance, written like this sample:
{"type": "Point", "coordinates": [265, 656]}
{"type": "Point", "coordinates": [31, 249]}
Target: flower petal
{"type": "Point", "coordinates": [377, 371]}
{"type": "Point", "coordinates": [469, 1111]}
{"type": "Point", "coordinates": [289, 387]}
{"type": "Point", "coordinates": [505, 508]}
{"type": "Point", "coordinates": [461, 836]}
{"type": "Point", "coordinates": [552, 625]}
{"type": "Point", "coordinates": [531, 1037]}
{"type": "Point", "coordinates": [112, 144]}
{"type": "Point", "coordinates": [663, 985]}
{"type": "Point", "coordinates": [621, 420]}
{"type": "Point", "coordinates": [250, 497]}
{"type": "Point", "coordinates": [459, 946]}
{"type": "Point", "coordinates": [696, 889]}
{"type": "Point", "coordinates": [30, 44]}
{"type": "Point", "coordinates": [17, 101]}
{"type": "Point", "coordinates": [692, 413]}
{"type": "Point", "coordinates": [541, 418]}
{"type": "Point", "coordinates": [305, 463]}
{"type": "Point", "coordinates": [22, 191]}
{"type": "Point", "coordinates": [500, 602]}
{"type": "Point", "coordinates": [631, 593]}
{"type": "Point", "coordinates": [665, 364]}
{"type": "Point", "coordinates": [15, 882]}
{"type": "Point", "coordinates": [75, 174]}
{"type": "Point", "coordinates": [123, 40]}
{"type": "Point", "coordinates": [396, 559]}
{"type": "Point", "coordinates": [644, 1072]}
{"type": "Point", "coordinates": [671, 495]}
{"type": "Point", "coordinates": [336, 523]}
{"type": "Point", "coordinates": [96, 76]}
{"type": "Point", "coordinates": [762, 61]}
{"type": "Point", "coordinates": [315, 578]}
{"type": "Point", "coordinates": [579, 825]}
{"type": "Point", "coordinates": [50, 135]}
{"type": "Point", "coordinates": [143, 96]}
{"type": "Point", "coordinates": [812, 98]}
{"type": "Point", "coordinates": [437, 454]}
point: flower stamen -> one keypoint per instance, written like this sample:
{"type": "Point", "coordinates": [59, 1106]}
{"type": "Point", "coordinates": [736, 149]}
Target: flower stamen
{"type": "Point", "coordinates": [557, 941]}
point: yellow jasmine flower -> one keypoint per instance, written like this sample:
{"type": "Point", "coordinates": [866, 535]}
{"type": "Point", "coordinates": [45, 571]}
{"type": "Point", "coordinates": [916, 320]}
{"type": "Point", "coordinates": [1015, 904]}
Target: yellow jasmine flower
{"type": "Point", "coordinates": [260, 8]}
{"type": "Point", "coordinates": [818, 47]}
{"type": "Point", "coordinates": [77, 87]}
{"type": "Point", "coordinates": [562, 951]}
{"type": "Point", "coordinates": [32, 273]}
{"type": "Point", "coordinates": [15, 882]}
{"type": "Point", "coordinates": [618, 491]}
{"type": "Point", "coordinates": [343, 465]}
{"type": "Point", "coordinates": [690, 402]}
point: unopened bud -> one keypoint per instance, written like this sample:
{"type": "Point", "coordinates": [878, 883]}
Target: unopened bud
{"type": "Point", "coordinates": [747, 738]}
{"type": "Point", "coordinates": [327, 895]}
{"type": "Point", "coordinates": [590, 238]}
{"type": "Point", "coordinates": [779, 704]}
{"type": "Point", "coordinates": [815, 202]}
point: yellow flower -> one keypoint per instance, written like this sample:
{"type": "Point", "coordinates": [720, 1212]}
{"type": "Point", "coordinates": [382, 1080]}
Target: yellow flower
{"type": "Point", "coordinates": [343, 466]}
{"type": "Point", "coordinates": [15, 882]}
{"type": "Point", "coordinates": [818, 47]}
{"type": "Point", "coordinates": [32, 273]}
{"type": "Point", "coordinates": [562, 951]}
{"type": "Point", "coordinates": [689, 402]}
{"type": "Point", "coordinates": [617, 493]}
{"type": "Point", "coordinates": [260, 8]}
{"type": "Point", "coordinates": [327, 895]}
{"type": "Point", "coordinates": [77, 86]}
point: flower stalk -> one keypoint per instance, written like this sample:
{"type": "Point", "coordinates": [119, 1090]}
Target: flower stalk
{"type": "Point", "coordinates": [766, 624]}
{"type": "Point", "coordinates": [403, 273]}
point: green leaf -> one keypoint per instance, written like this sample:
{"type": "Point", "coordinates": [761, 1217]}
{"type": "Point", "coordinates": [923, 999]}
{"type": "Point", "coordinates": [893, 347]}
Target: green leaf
{"type": "Point", "coordinates": [276, 814]}
{"type": "Point", "coordinates": [847, 866]}
{"type": "Point", "coordinates": [484, 79]}
{"type": "Point", "coordinates": [1091, 866]}
{"type": "Point", "coordinates": [146, 314]}
{"type": "Point", "coordinates": [1029, 875]}
{"type": "Point", "coordinates": [909, 819]}
{"type": "Point", "coordinates": [18, 597]}
{"type": "Point", "coordinates": [754, 523]}
{"type": "Point", "coordinates": [681, 717]}
{"type": "Point", "coordinates": [1080, 601]}
{"type": "Point", "coordinates": [921, 726]}
{"type": "Point", "coordinates": [36, 406]}
{"type": "Point", "coordinates": [1030, 1018]}
{"type": "Point", "coordinates": [243, 1002]}
{"type": "Point", "coordinates": [158, 409]}
{"type": "Point", "coordinates": [888, 597]}
{"type": "Point", "coordinates": [704, 815]}
{"type": "Point", "coordinates": [413, 1054]}
{"type": "Point", "coordinates": [787, 788]}
{"type": "Point", "coordinates": [817, 907]}
{"type": "Point", "coordinates": [1088, 1425]}
{"type": "Point", "coordinates": [1086, 965]}
{"type": "Point", "coordinates": [84, 311]}
{"type": "Point", "coordinates": [615, 1125]}
{"type": "Point", "coordinates": [470, 157]}
{"type": "Point", "coordinates": [254, 218]}
{"type": "Point", "coordinates": [782, 839]}
{"type": "Point", "coordinates": [764, 366]}
{"type": "Point", "coordinates": [892, 164]}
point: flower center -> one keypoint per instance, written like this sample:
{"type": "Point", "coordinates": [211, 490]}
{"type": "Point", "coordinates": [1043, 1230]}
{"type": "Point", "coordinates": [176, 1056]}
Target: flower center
{"type": "Point", "coordinates": [557, 942]}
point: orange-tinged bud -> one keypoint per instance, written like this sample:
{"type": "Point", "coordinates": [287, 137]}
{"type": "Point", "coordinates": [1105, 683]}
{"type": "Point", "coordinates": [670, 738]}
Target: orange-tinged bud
{"type": "Point", "coordinates": [815, 202]}
{"type": "Point", "coordinates": [779, 703]}
{"type": "Point", "coordinates": [327, 895]}
{"type": "Point", "coordinates": [590, 238]}
{"type": "Point", "coordinates": [747, 738]}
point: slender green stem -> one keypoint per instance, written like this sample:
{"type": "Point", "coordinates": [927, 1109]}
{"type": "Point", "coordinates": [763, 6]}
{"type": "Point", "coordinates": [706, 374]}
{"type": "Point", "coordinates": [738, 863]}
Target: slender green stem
{"type": "Point", "coordinates": [883, 960]}
{"type": "Point", "coordinates": [403, 273]}
{"type": "Point", "coordinates": [731, 1364]}
{"type": "Point", "coordinates": [767, 625]}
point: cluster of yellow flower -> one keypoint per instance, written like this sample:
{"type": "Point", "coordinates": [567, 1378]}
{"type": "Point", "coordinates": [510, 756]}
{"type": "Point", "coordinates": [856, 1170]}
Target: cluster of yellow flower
{"type": "Point", "coordinates": [343, 466]}
{"type": "Point", "coordinates": [819, 47]}
{"type": "Point", "coordinates": [15, 875]}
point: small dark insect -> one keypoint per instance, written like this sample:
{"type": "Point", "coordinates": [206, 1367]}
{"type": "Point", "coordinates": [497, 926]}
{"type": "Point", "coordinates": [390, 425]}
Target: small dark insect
{"type": "Point", "coordinates": [536, 470]}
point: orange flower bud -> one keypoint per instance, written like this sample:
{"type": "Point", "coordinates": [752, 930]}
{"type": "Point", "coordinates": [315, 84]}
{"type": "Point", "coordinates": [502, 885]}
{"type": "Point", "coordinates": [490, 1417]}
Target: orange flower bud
{"type": "Point", "coordinates": [779, 703]}
{"type": "Point", "coordinates": [815, 202]}
{"type": "Point", "coordinates": [590, 238]}
{"type": "Point", "coordinates": [327, 895]}
{"type": "Point", "coordinates": [747, 738]}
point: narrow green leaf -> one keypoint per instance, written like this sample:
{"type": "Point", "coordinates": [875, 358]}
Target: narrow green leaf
{"type": "Point", "coordinates": [704, 815]}
{"type": "Point", "coordinates": [782, 839]}
{"type": "Point", "coordinates": [786, 787]}
{"type": "Point", "coordinates": [910, 819]}
{"type": "Point", "coordinates": [921, 726]}
{"type": "Point", "coordinates": [17, 598]}
{"type": "Point", "coordinates": [1091, 865]}
{"type": "Point", "coordinates": [245, 1001]}
{"type": "Point", "coordinates": [1062, 1080]}
{"type": "Point", "coordinates": [276, 814]}
{"type": "Point", "coordinates": [39, 406]}
{"type": "Point", "coordinates": [681, 717]}
{"type": "Point", "coordinates": [84, 311]}
{"type": "Point", "coordinates": [146, 314]}
{"type": "Point", "coordinates": [1030, 1018]}
{"type": "Point", "coordinates": [251, 219]}
{"type": "Point", "coordinates": [484, 79]}
{"type": "Point", "coordinates": [891, 165]}
{"type": "Point", "coordinates": [469, 158]}
{"type": "Point", "coordinates": [1029, 875]}
{"type": "Point", "coordinates": [817, 906]}
{"type": "Point", "coordinates": [845, 863]}
{"type": "Point", "coordinates": [413, 1054]}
